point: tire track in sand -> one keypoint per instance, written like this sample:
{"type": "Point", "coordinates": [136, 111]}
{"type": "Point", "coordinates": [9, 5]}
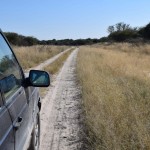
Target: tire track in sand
{"type": "Point", "coordinates": [61, 121]}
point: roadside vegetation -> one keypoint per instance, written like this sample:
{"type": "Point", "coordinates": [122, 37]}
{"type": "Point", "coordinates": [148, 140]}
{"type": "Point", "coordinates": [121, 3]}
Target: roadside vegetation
{"type": "Point", "coordinates": [31, 56]}
{"type": "Point", "coordinates": [115, 82]}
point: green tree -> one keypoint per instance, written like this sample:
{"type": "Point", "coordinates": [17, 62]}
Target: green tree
{"type": "Point", "coordinates": [121, 26]}
{"type": "Point", "coordinates": [111, 29]}
{"type": "Point", "coordinates": [145, 31]}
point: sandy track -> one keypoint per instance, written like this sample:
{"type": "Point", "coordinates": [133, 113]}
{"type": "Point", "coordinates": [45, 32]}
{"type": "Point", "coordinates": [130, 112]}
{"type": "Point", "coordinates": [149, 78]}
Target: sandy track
{"type": "Point", "coordinates": [61, 111]}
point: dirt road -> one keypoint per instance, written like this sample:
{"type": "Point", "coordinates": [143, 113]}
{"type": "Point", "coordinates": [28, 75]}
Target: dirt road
{"type": "Point", "coordinates": [61, 111]}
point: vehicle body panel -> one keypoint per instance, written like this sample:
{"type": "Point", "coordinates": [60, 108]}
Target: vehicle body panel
{"type": "Point", "coordinates": [19, 108]}
{"type": "Point", "coordinates": [6, 130]}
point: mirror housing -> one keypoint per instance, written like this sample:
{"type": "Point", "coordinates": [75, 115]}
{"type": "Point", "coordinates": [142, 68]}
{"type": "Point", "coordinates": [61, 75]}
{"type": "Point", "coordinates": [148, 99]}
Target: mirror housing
{"type": "Point", "coordinates": [38, 78]}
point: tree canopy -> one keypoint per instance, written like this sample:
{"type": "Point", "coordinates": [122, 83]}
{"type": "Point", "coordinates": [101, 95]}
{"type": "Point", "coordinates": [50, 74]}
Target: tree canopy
{"type": "Point", "coordinates": [121, 32]}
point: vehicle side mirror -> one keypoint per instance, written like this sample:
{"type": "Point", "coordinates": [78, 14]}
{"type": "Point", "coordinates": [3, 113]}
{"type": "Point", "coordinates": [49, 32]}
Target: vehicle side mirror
{"type": "Point", "coordinates": [39, 78]}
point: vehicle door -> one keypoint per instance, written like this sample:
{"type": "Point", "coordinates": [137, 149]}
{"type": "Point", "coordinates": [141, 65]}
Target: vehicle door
{"type": "Point", "coordinates": [7, 141]}
{"type": "Point", "coordinates": [15, 100]}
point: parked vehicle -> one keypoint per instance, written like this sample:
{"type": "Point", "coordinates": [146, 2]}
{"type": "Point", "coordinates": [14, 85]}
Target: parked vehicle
{"type": "Point", "coordinates": [20, 102]}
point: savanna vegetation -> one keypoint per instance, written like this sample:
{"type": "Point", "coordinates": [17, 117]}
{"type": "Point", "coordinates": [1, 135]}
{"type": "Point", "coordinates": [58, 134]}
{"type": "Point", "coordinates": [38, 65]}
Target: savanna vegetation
{"type": "Point", "coordinates": [115, 81]}
{"type": "Point", "coordinates": [20, 40]}
{"type": "Point", "coordinates": [120, 32]}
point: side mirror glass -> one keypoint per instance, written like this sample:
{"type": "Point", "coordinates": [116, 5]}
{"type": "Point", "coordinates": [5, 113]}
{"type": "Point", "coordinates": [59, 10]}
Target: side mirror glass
{"type": "Point", "coordinates": [39, 78]}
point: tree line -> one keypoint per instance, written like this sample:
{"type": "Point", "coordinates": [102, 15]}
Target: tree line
{"type": "Point", "coordinates": [20, 40]}
{"type": "Point", "coordinates": [120, 32]}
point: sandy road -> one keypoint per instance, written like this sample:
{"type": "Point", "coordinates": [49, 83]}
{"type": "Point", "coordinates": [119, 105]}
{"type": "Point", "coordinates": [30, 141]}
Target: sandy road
{"type": "Point", "coordinates": [61, 111]}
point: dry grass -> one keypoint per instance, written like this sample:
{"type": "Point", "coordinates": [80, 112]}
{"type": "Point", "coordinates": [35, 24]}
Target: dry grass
{"type": "Point", "coordinates": [57, 64]}
{"type": "Point", "coordinates": [126, 47]}
{"type": "Point", "coordinates": [34, 55]}
{"type": "Point", "coordinates": [115, 83]}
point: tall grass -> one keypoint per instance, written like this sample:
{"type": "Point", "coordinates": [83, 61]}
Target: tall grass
{"type": "Point", "coordinates": [116, 96]}
{"type": "Point", "coordinates": [34, 55]}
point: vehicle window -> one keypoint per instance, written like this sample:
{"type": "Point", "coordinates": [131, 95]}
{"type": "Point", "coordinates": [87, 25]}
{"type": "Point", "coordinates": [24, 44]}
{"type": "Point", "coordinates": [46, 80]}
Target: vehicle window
{"type": "Point", "coordinates": [10, 77]}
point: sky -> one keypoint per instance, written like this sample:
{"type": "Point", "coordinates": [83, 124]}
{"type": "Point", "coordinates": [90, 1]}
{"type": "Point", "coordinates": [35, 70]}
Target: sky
{"type": "Point", "coordinates": [70, 19]}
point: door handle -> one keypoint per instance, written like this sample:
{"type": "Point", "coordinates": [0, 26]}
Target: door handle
{"type": "Point", "coordinates": [18, 123]}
